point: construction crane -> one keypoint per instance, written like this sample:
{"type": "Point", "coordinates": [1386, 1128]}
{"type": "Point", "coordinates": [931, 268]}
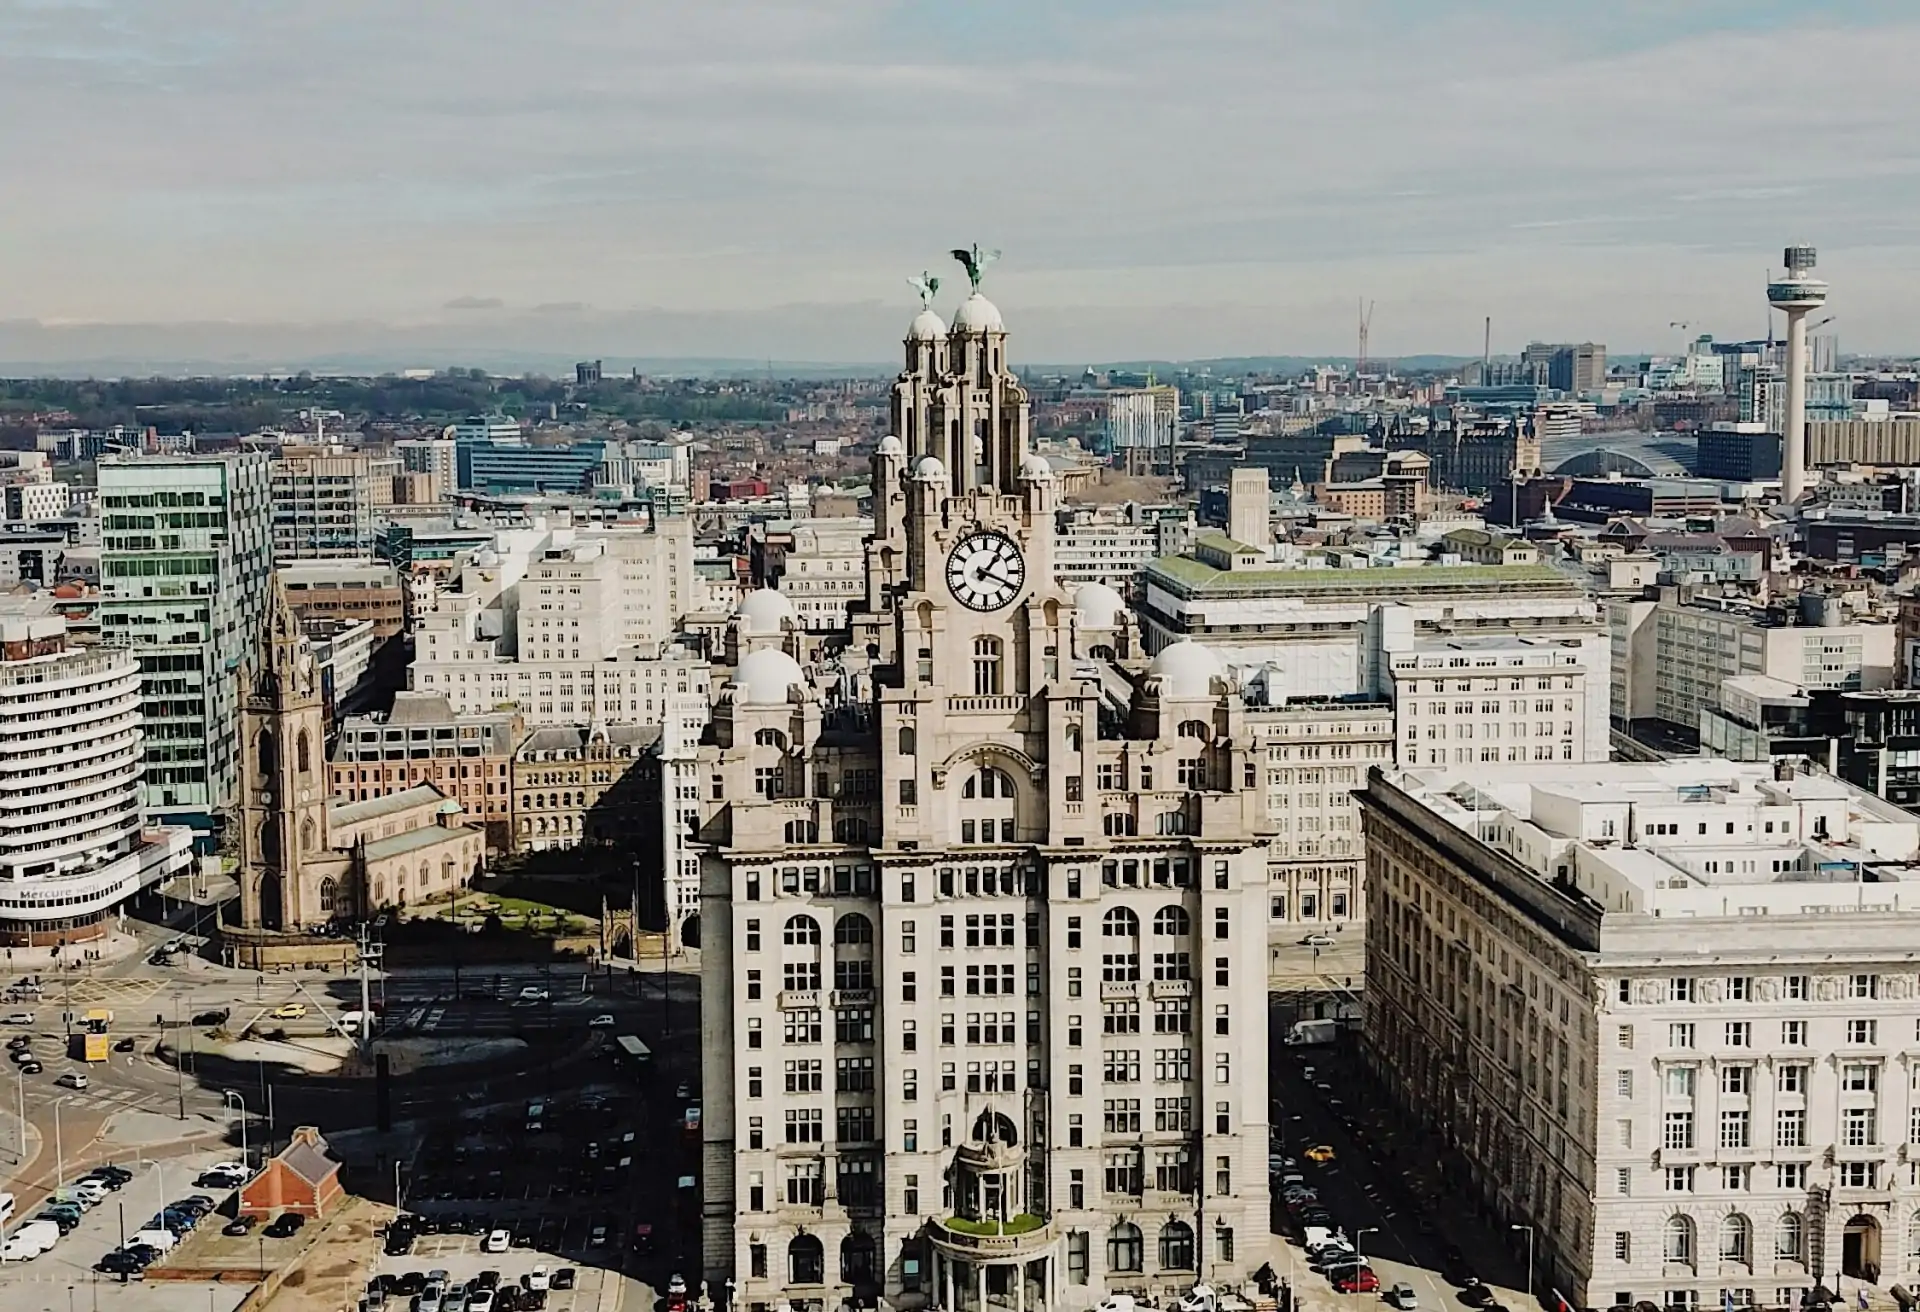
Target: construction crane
{"type": "Point", "coordinates": [1366, 327]}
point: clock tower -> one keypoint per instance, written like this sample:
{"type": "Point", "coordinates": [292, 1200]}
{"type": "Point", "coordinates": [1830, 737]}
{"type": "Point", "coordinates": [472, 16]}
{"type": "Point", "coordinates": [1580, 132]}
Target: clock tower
{"type": "Point", "coordinates": [961, 900]}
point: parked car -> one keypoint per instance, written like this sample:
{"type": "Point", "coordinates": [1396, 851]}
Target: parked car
{"type": "Point", "coordinates": [284, 1226]}
{"type": "Point", "coordinates": [19, 1018]}
{"type": "Point", "coordinates": [497, 1241]}
{"type": "Point", "coordinates": [1403, 1297]}
{"type": "Point", "coordinates": [31, 1067]}
{"type": "Point", "coordinates": [564, 1278]}
{"type": "Point", "coordinates": [121, 1263]}
{"type": "Point", "coordinates": [1356, 1280]}
{"type": "Point", "coordinates": [538, 1278]}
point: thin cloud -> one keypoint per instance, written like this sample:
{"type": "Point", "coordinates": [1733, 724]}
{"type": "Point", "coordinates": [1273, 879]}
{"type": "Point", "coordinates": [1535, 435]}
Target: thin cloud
{"type": "Point", "coordinates": [339, 162]}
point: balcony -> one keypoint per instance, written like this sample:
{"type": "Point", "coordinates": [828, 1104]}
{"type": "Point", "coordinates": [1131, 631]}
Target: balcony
{"type": "Point", "coordinates": [978, 705]}
{"type": "Point", "coordinates": [799, 999]}
{"type": "Point", "coordinates": [850, 997]}
{"type": "Point", "coordinates": [1120, 988]}
{"type": "Point", "coordinates": [1018, 1238]}
{"type": "Point", "coordinates": [1172, 988]}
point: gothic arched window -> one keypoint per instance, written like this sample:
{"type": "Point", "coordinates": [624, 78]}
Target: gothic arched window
{"type": "Point", "coordinates": [302, 750]}
{"type": "Point", "coordinates": [327, 890]}
{"type": "Point", "coordinates": [306, 835]}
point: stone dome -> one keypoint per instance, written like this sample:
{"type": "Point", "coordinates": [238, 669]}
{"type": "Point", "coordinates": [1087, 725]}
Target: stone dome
{"type": "Point", "coordinates": [1098, 606]}
{"type": "Point", "coordinates": [1034, 466]}
{"type": "Point", "coordinates": [891, 446]}
{"type": "Point", "coordinates": [766, 677]}
{"type": "Point", "coordinates": [978, 315]}
{"type": "Point", "coordinates": [926, 327]}
{"type": "Point", "coordinates": [930, 468]}
{"type": "Point", "coordinates": [764, 611]}
{"type": "Point", "coordinates": [1185, 669]}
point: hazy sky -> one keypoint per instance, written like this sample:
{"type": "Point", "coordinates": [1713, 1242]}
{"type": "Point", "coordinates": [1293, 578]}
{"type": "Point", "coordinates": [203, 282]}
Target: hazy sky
{"type": "Point", "coordinates": [754, 178]}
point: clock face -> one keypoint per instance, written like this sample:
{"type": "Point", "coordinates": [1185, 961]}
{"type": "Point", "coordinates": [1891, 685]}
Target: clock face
{"type": "Point", "coordinates": [985, 571]}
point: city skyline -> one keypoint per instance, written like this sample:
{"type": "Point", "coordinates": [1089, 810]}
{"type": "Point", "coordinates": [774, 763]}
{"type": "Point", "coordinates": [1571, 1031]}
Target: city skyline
{"type": "Point", "coordinates": [419, 189]}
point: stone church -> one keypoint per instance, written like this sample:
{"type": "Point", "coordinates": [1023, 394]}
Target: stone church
{"type": "Point", "coordinates": [984, 911]}
{"type": "Point", "coordinates": [305, 861]}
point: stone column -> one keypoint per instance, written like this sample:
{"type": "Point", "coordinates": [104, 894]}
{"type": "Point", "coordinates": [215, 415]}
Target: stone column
{"type": "Point", "coordinates": [946, 1275]}
{"type": "Point", "coordinates": [980, 1286]}
{"type": "Point", "coordinates": [1020, 1287]}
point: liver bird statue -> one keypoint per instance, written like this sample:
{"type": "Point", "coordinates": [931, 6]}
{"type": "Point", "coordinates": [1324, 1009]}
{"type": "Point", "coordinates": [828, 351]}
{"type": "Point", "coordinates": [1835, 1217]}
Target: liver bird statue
{"type": "Point", "coordinates": [975, 261]}
{"type": "Point", "coordinates": [928, 286]}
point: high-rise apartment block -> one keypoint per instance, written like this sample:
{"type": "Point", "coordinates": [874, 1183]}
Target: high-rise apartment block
{"type": "Point", "coordinates": [186, 550]}
{"type": "Point", "coordinates": [327, 502]}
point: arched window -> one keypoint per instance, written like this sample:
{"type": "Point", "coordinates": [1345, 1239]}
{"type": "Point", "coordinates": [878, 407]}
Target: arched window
{"type": "Point", "coordinates": [1176, 1246]}
{"type": "Point", "coordinates": [1171, 922]}
{"type": "Point", "coordinates": [856, 1257]}
{"type": "Point", "coordinates": [1120, 923]}
{"type": "Point", "coordinates": [1124, 1249]}
{"type": "Point", "coordinates": [423, 877]}
{"type": "Point", "coordinates": [803, 831]}
{"type": "Point", "coordinates": [851, 829]}
{"type": "Point", "coordinates": [986, 667]}
{"type": "Point", "coordinates": [1913, 1238]}
{"type": "Point", "coordinates": [851, 930]}
{"type": "Point", "coordinates": [1679, 1240]}
{"type": "Point", "coordinates": [1170, 822]}
{"type": "Point", "coordinates": [306, 835]}
{"type": "Point", "coordinates": [1102, 652]}
{"type": "Point", "coordinates": [1194, 729]}
{"type": "Point", "coordinates": [807, 1261]}
{"type": "Point", "coordinates": [989, 782]}
{"type": "Point", "coordinates": [302, 750]}
{"type": "Point", "coordinates": [907, 743]}
{"type": "Point", "coordinates": [1736, 1239]}
{"type": "Point", "coordinates": [801, 931]}
{"type": "Point", "coordinates": [769, 738]}
{"type": "Point", "coordinates": [1118, 824]}
{"type": "Point", "coordinates": [264, 752]}
{"type": "Point", "coordinates": [1073, 737]}
{"type": "Point", "coordinates": [327, 889]}
{"type": "Point", "coordinates": [995, 1127]}
{"type": "Point", "coordinates": [1790, 1238]}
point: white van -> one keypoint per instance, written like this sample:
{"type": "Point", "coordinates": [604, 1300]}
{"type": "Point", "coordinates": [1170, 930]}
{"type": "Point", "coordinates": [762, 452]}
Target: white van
{"type": "Point", "coordinates": [164, 1240]}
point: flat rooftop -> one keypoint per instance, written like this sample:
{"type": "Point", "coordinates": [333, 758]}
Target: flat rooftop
{"type": "Point", "coordinates": [1697, 836]}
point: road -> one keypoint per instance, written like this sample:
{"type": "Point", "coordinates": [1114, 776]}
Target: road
{"type": "Point", "coordinates": [1379, 1185]}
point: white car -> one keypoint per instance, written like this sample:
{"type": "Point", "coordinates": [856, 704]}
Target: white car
{"type": "Point", "coordinates": [1317, 941]}
{"type": "Point", "coordinates": [539, 1278]}
{"type": "Point", "coordinates": [20, 1018]}
{"type": "Point", "coordinates": [72, 1080]}
{"type": "Point", "coordinates": [676, 1283]}
{"type": "Point", "coordinates": [533, 993]}
{"type": "Point", "coordinates": [498, 1241]}
{"type": "Point", "coordinates": [604, 1021]}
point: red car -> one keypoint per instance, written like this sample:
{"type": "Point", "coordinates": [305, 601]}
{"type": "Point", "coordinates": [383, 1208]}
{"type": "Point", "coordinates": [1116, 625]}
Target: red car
{"type": "Point", "coordinates": [1356, 1280]}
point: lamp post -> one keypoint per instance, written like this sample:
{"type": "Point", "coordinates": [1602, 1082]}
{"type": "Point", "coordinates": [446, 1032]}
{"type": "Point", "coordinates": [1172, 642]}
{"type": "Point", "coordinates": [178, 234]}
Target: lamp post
{"type": "Point", "coordinates": [234, 1094]}
{"type": "Point", "coordinates": [1529, 1230]}
{"type": "Point", "coordinates": [21, 1158]}
{"type": "Point", "coordinates": [59, 1149]}
{"type": "Point", "coordinates": [1358, 1264]}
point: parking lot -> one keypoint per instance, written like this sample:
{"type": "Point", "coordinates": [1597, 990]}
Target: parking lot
{"type": "Point", "coordinates": [70, 1262]}
{"type": "Point", "coordinates": [462, 1266]}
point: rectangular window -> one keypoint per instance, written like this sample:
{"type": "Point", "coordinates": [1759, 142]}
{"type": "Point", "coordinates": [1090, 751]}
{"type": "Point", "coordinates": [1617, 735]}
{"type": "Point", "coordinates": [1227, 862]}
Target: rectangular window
{"type": "Point", "coordinates": [1734, 1132]}
{"type": "Point", "coordinates": [1739, 1034]}
{"type": "Point", "coordinates": [1863, 1032]}
{"type": "Point", "coordinates": [1793, 1033]}
{"type": "Point", "coordinates": [1679, 1130]}
{"type": "Point", "coordinates": [1790, 1128]}
{"type": "Point", "coordinates": [1680, 1035]}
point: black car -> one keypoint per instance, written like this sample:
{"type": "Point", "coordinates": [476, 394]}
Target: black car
{"type": "Point", "coordinates": [1453, 1266]}
{"type": "Point", "coordinates": [408, 1283]}
{"type": "Point", "coordinates": [284, 1225]}
{"type": "Point", "coordinates": [108, 1171]}
{"type": "Point", "coordinates": [399, 1244]}
{"type": "Point", "coordinates": [19, 1042]}
{"type": "Point", "coordinates": [563, 1278]}
{"type": "Point", "coordinates": [121, 1263]}
{"type": "Point", "coordinates": [145, 1254]}
{"type": "Point", "coordinates": [243, 1224]}
{"type": "Point", "coordinates": [125, 1045]}
{"type": "Point", "coordinates": [31, 1067]}
{"type": "Point", "coordinates": [485, 1280]}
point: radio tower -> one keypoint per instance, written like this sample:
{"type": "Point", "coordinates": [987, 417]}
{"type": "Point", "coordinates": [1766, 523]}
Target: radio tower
{"type": "Point", "coordinates": [1796, 295]}
{"type": "Point", "coordinates": [1366, 326]}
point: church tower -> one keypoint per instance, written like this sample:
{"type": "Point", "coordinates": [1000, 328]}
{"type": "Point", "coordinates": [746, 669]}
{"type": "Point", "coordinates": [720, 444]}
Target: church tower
{"type": "Point", "coordinates": [283, 789]}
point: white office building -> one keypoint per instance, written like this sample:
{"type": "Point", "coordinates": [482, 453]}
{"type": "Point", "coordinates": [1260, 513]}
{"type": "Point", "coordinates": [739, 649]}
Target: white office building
{"type": "Point", "coordinates": [1667, 1015]}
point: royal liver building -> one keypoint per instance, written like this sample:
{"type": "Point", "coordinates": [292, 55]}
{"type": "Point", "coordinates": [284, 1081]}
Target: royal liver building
{"type": "Point", "coordinates": [983, 898]}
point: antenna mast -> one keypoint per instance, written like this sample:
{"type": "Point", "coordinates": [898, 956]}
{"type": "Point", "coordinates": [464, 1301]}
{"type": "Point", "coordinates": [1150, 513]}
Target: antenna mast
{"type": "Point", "coordinates": [1366, 327]}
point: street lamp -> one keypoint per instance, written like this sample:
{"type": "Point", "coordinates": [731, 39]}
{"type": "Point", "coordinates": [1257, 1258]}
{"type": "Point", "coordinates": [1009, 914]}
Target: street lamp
{"type": "Point", "coordinates": [1529, 1230]}
{"type": "Point", "coordinates": [59, 1149]}
{"type": "Point", "coordinates": [234, 1094]}
{"type": "Point", "coordinates": [1359, 1234]}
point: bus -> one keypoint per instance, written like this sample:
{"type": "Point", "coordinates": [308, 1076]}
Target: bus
{"type": "Point", "coordinates": [631, 1049]}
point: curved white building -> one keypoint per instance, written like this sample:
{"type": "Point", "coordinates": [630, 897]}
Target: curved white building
{"type": "Point", "coordinates": [72, 838]}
